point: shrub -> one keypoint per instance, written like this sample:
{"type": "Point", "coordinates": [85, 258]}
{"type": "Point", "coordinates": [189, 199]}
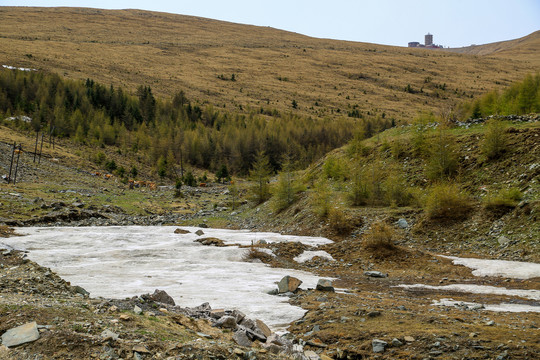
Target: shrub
{"type": "Point", "coordinates": [443, 160]}
{"type": "Point", "coordinates": [189, 179]}
{"type": "Point", "coordinates": [504, 201]}
{"type": "Point", "coordinates": [359, 191]}
{"type": "Point", "coordinates": [339, 222]}
{"type": "Point", "coordinates": [99, 158]}
{"type": "Point", "coordinates": [322, 197]}
{"type": "Point", "coordinates": [110, 165]}
{"type": "Point", "coordinates": [396, 192]}
{"type": "Point", "coordinates": [380, 238]}
{"type": "Point", "coordinates": [495, 141]}
{"type": "Point", "coordinates": [447, 202]}
{"type": "Point", "coordinates": [254, 254]}
{"type": "Point", "coordinates": [334, 168]}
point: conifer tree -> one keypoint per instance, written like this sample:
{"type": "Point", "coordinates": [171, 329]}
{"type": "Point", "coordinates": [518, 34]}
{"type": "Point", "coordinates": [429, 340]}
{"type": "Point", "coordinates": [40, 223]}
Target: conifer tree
{"type": "Point", "coordinates": [260, 175]}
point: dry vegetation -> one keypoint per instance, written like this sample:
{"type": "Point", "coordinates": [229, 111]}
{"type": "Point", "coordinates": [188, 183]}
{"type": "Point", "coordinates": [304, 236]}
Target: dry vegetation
{"type": "Point", "coordinates": [271, 67]}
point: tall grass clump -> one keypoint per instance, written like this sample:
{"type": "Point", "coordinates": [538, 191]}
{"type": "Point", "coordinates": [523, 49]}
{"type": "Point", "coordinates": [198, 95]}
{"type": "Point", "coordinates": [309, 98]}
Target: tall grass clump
{"type": "Point", "coordinates": [442, 163]}
{"type": "Point", "coordinates": [447, 202]}
{"type": "Point", "coordinates": [381, 238]}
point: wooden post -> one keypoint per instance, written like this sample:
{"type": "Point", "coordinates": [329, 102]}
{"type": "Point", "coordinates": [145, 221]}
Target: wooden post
{"type": "Point", "coordinates": [11, 165]}
{"type": "Point", "coordinates": [35, 147]}
{"type": "Point", "coordinates": [19, 151]}
{"type": "Point", "coordinates": [41, 148]}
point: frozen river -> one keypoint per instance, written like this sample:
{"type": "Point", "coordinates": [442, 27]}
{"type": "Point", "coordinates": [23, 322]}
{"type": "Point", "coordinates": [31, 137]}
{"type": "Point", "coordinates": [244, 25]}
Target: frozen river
{"type": "Point", "coordinates": [119, 262]}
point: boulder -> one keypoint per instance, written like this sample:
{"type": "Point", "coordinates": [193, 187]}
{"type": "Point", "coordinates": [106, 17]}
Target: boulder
{"type": "Point", "coordinates": [241, 338]}
{"type": "Point", "coordinates": [288, 284]}
{"type": "Point", "coordinates": [376, 274]}
{"type": "Point", "coordinates": [378, 345]}
{"type": "Point", "coordinates": [211, 241]}
{"type": "Point", "coordinates": [159, 296]}
{"type": "Point", "coordinates": [226, 322]}
{"type": "Point", "coordinates": [181, 231]}
{"type": "Point", "coordinates": [325, 285]}
{"type": "Point", "coordinates": [21, 334]}
{"type": "Point", "coordinates": [263, 328]}
{"type": "Point", "coordinates": [109, 335]}
{"type": "Point", "coordinates": [402, 223]}
{"type": "Point", "coordinates": [199, 232]}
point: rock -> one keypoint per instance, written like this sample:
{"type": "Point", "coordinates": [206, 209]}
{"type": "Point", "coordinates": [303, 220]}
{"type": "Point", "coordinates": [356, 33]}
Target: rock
{"type": "Point", "coordinates": [408, 338]}
{"type": "Point", "coordinates": [226, 322]}
{"type": "Point", "coordinates": [272, 348]}
{"type": "Point", "coordinates": [160, 296]}
{"type": "Point", "coordinates": [108, 335]}
{"type": "Point", "coordinates": [311, 355]}
{"type": "Point", "coordinates": [275, 339]}
{"type": "Point", "coordinates": [396, 343]}
{"type": "Point", "coordinates": [79, 290]}
{"type": "Point", "coordinates": [376, 274]}
{"type": "Point", "coordinates": [402, 223]}
{"type": "Point", "coordinates": [264, 329]}
{"type": "Point", "coordinates": [378, 345]}
{"type": "Point", "coordinates": [141, 349]}
{"type": "Point", "coordinates": [373, 314]}
{"type": "Point", "coordinates": [181, 231]}
{"type": "Point", "coordinates": [502, 356]}
{"type": "Point", "coordinates": [199, 232]}
{"type": "Point", "coordinates": [288, 283]}
{"type": "Point", "coordinates": [238, 315]}
{"type": "Point", "coordinates": [21, 334]}
{"type": "Point", "coordinates": [490, 323]}
{"type": "Point", "coordinates": [241, 338]}
{"type": "Point", "coordinates": [203, 225]}
{"type": "Point", "coordinates": [113, 308]}
{"type": "Point", "coordinates": [211, 241]}
{"type": "Point", "coordinates": [218, 313]}
{"type": "Point", "coordinates": [503, 240]}
{"type": "Point", "coordinates": [125, 317]}
{"type": "Point", "coordinates": [137, 310]}
{"type": "Point", "coordinates": [325, 285]}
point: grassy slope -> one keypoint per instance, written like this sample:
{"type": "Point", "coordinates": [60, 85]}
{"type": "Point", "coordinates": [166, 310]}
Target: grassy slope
{"type": "Point", "coordinates": [273, 67]}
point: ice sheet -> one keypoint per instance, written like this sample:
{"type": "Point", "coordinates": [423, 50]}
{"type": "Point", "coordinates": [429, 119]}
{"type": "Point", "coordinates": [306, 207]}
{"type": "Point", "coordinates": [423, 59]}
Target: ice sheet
{"type": "Point", "coordinates": [308, 255]}
{"type": "Point", "coordinates": [121, 262]}
{"type": "Point", "coordinates": [504, 307]}
{"type": "Point", "coordinates": [504, 268]}
{"type": "Point", "coordinates": [479, 289]}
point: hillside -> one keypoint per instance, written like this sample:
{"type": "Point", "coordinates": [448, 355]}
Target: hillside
{"type": "Point", "coordinates": [326, 78]}
{"type": "Point", "coordinates": [523, 48]}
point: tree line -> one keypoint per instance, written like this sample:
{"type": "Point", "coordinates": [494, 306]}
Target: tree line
{"type": "Point", "coordinates": [170, 131]}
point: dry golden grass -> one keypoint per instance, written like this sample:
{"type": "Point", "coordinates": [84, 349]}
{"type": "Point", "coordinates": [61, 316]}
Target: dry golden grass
{"type": "Point", "coordinates": [272, 67]}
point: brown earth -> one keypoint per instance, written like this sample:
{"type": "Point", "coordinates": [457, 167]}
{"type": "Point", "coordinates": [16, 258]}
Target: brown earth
{"type": "Point", "coordinates": [326, 78]}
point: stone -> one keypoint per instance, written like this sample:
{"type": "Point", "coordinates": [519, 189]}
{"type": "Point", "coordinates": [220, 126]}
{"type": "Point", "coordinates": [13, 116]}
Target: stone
{"type": "Point", "coordinates": [199, 232]}
{"type": "Point", "coordinates": [109, 335]}
{"type": "Point", "coordinates": [141, 349]}
{"type": "Point", "coordinates": [125, 317]}
{"type": "Point", "coordinates": [288, 283]}
{"type": "Point", "coordinates": [373, 314]}
{"type": "Point", "coordinates": [272, 348]}
{"type": "Point", "coordinates": [396, 343]}
{"type": "Point", "coordinates": [238, 315]}
{"type": "Point", "coordinates": [241, 338]}
{"type": "Point", "coordinates": [275, 339]}
{"type": "Point", "coordinates": [325, 285]}
{"type": "Point", "coordinates": [211, 241]}
{"type": "Point", "coordinates": [402, 223]}
{"type": "Point", "coordinates": [21, 335]}
{"type": "Point", "coordinates": [503, 240]}
{"type": "Point", "coordinates": [311, 355]}
{"type": "Point", "coordinates": [226, 322]}
{"type": "Point", "coordinates": [263, 328]}
{"type": "Point", "coordinates": [376, 274]}
{"type": "Point", "coordinates": [137, 310]}
{"type": "Point", "coordinates": [113, 308]}
{"type": "Point", "coordinates": [408, 339]}
{"type": "Point", "coordinates": [218, 313]}
{"type": "Point", "coordinates": [203, 225]}
{"type": "Point", "coordinates": [181, 231]}
{"type": "Point", "coordinates": [490, 323]}
{"type": "Point", "coordinates": [160, 296]}
{"type": "Point", "coordinates": [502, 356]}
{"type": "Point", "coordinates": [79, 290]}
{"type": "Point", "coordinates": [378, 346]}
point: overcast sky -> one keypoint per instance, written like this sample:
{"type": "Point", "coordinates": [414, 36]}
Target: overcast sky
{"type": "Point", "coordinates": [453, 23]}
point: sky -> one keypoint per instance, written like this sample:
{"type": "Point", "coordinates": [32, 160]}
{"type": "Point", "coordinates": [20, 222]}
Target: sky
{"type": "Point", "coordinates": [453, 23]}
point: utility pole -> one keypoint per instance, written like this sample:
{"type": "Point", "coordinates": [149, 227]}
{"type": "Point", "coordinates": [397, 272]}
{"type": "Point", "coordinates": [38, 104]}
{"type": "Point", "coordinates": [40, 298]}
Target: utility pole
{"type": "Point", "coordinates": [11, 165]}
{"type": "Point", "coordinates": [35, 148]}
{"type": "Point", "coordinates": [18, 151]}
{"type": "Point", "coordinates": [41, 148]}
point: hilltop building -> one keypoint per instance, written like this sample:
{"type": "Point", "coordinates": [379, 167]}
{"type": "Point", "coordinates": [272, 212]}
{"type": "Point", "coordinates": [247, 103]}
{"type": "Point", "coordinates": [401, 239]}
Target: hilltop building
{"type": "Point", "coordinates": [428, 43]}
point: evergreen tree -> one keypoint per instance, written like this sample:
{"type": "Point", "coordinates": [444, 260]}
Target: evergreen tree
{"type": "Point", "coordinates": [260, 175]}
